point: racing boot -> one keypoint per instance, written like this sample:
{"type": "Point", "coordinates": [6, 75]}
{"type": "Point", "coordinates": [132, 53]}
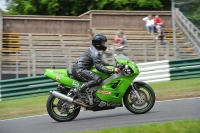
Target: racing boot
{"type": "Point", "coordinates": [79, 90]}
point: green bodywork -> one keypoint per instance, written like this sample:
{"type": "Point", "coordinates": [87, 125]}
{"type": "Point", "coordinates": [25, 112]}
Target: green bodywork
{"type": "Point", "coordinates": [111, 91]}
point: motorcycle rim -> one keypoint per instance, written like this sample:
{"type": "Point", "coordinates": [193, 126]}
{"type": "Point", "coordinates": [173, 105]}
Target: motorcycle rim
{"type": "Point", "coordinates": [54, 107]}
{"type": "Point", "coordinates": [144, 104]}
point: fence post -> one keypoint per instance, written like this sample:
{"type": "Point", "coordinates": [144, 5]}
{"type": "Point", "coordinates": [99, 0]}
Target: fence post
{"type": "Point", "coordinates": [156, 49]}
{"type": "Point", "coordinates": [174, 27]}
{"type": "Point", "coordinates": [70, 61]}
{"type": "Point", "coordinates": [167, 51]}
{"type": "Point", "coordinates": [1, 31]}
{"type": "Point", "coordinates": [17, 66]}
{"type": "Point", "coordinates": [28, 63]}
{"type": "Point", "coordinates": [52, 58]}
{"type": "Point", "coordinates": [34, 62]}
{"type": "Point", "coordinates": [145, 52]}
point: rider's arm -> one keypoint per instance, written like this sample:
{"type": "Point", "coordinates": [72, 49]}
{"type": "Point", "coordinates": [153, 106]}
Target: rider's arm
{"type": "Point", "coordinates": [105, 64]}
{"type": "Point", "coordinates": [100, 64]}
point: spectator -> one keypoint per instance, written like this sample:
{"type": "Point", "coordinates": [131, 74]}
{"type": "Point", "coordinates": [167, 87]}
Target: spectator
{"type": "Point", "coordinates": [120, 38]}
{"type": "Point", "coordinates": [162, 35]}
{"type": "Point", "coordinates": [158, 23]}
{"type": "Point", "coordinates": [149, 24]}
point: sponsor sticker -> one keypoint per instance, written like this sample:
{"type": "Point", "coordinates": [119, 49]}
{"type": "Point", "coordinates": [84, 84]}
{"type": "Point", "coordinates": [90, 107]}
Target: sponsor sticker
{"type": "Point", "coordinates": [104, 92]}
{"type": "Point", "coordinates": [57, 78]}
{"type": "Point", "coordinates": [75, 83]}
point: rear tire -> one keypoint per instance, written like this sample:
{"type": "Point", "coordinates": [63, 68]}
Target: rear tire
{"type": "Point", "coordinates": [145, 104]}
{"type": "Point", "coordinates": [61, 111]}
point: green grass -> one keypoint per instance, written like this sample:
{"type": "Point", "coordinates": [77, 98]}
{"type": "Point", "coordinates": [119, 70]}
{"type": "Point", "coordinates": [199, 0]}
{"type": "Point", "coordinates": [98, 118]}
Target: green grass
{"type": "Point", "coordinates": [177, 89]}
{"type": "Point", "coordinates": [37, 105]}
{"type": "Point", "coordinates": [23, 107]}
{"type": "Point", "coordinates": [181, 126]}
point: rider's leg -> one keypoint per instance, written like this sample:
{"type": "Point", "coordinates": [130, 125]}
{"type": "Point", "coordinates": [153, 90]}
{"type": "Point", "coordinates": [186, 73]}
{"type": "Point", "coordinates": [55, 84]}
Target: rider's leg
{"type": "Point", "coordinates": [90, 79]}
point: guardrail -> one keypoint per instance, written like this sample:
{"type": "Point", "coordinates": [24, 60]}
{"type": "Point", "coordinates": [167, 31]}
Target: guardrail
{"type": "Point", "coordinates": [26, 87]}
{"type": "Point", "coordinates": [189, 29]}
{"type": "Point", "coordinates": [34, 61]}
{"type": "Point", "coordinates": [169, 70]}
{"type": "Point", "coordinates": [150, 72]}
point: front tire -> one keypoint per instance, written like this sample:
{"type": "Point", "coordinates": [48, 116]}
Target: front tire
{"type": "Point", "coordinates": [145, 103]}
{"type": "Point", "coordinates": [60, 110]}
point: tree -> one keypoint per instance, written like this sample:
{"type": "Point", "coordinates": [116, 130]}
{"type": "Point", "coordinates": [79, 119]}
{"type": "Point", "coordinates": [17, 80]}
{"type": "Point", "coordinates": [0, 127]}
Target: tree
{"type": "Point", "coordinates": [77, 7]}
{"type": "Point", "coordinates": [191, 9]}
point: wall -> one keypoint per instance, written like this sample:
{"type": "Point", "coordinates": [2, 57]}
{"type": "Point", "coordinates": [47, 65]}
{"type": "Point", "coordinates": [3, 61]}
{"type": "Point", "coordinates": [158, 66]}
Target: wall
{"type": "Point", "coordinates": [49, 25]}
{"type": "Point", "coordinates": [79, 24]}
{"type": "Point", "coordinates": [126, 19]}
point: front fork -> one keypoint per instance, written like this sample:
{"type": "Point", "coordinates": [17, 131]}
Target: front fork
{"type": "Point", "coordinates": [135, 90]}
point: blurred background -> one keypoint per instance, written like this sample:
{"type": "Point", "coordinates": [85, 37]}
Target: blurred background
{"type": "Point", "coordinates": [36, 34]}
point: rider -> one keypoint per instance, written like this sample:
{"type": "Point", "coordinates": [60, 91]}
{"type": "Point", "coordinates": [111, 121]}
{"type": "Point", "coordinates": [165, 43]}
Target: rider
{"type": "Point", "coordinates": [81, 69]}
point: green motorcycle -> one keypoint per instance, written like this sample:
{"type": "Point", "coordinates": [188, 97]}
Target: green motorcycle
{"type": "Point", "coordinates": [138, 97]}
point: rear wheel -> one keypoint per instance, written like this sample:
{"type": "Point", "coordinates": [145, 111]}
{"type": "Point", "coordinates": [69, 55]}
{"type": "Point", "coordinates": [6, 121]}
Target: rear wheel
{"type": "Point", "coordinates": [60, 110]}
{"type": "Point", "coordinates": [145, 103]}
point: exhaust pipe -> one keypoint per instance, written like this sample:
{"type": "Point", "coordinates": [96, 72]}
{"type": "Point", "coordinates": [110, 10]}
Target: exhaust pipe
{"type": "Point", "coordinates": [66, 98]}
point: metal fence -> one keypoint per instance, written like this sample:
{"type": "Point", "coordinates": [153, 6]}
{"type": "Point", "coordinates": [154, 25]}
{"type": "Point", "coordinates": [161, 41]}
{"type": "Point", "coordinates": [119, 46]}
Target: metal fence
{"type": "Point", "coordinates": [33, 62]}
{"type": "Point", "coordinates": [185, 18]}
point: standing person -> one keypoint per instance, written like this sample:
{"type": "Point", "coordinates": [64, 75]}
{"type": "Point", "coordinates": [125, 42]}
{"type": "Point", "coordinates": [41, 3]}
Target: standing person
{"type": "Point", "coordinates": [120, 38]}
{"type": "Point", "coordinates": [158, 23]}
{"type": "Point", "coordinates": [81, 69]}
{"type": "Point", "coordinates": [149, 24]}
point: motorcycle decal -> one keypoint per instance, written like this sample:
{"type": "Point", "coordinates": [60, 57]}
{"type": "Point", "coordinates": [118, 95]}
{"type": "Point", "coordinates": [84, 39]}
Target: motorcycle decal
{"type": "Point", "coordinates": [75, 83]}
{"type": "Point", "coordinates": [104, 92]}
{"type": "Point", "coordinates": [57, 78]}
{"type": "Point", "coordinates": [104, 86]}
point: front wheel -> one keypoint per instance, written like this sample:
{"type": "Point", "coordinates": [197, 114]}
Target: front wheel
{"type": "Point", "coordinates": [144, 104]}
{"type": "Point", "coordinates": [60, 110]}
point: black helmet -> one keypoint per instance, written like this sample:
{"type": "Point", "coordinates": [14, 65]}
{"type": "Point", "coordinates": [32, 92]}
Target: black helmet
{"type": "Point", "coordinates": [98, 41]}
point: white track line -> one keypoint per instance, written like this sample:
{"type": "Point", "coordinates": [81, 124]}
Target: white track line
{"type": "Point", "coordinates": [47, 114]}
{"type": "Point", "coordinates": [178, 99]}
{"type": "Point", "coordinates": [23, 117]}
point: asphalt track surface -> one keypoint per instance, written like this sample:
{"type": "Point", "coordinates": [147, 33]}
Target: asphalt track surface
{"type": "Point", "coordinates": [87, 120]}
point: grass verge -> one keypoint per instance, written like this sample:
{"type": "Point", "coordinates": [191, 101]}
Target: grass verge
{"type": "Point", "coordinates": [177, 89]}
{"type": "Point", "coordinates": [181, 126]}
{"type": "Point", "coordinates": [37, 105]}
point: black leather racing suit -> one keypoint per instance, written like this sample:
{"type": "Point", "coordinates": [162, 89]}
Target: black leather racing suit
{"type": "Point", "coordinates": [80, 69]}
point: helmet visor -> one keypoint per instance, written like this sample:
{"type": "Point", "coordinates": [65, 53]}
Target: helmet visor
{"type": "Point", "coordinates": [103, 43]}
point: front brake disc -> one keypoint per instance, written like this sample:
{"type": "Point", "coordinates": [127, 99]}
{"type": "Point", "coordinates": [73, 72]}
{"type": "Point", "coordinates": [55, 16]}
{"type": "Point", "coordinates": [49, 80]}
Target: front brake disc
{"type": "Point", "coordinates": [139, 102]}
